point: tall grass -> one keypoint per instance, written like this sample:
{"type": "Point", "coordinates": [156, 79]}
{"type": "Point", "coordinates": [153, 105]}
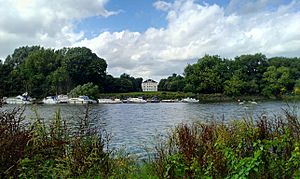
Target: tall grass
{"type": "Point", "coordinates": [57, 150]}
{"type": "Point", "coordinates": [261, 148]}
{"type": "Point", "coordinates": [13, 140]}
{"type": "Point", "coordinates": [264, 148]}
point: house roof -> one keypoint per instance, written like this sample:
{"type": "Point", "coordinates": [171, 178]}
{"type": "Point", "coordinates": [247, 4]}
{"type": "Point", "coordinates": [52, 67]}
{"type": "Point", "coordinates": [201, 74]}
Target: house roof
{"type": "Point", "coordinates": [149, 80]}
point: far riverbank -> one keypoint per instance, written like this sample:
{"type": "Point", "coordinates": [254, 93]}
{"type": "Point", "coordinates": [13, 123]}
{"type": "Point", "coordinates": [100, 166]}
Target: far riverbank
{"type": "Point", "coordinates": [203, 98]}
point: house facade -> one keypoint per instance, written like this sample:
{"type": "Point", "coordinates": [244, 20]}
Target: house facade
{"type": "Point", "coordinates": [149, 85]}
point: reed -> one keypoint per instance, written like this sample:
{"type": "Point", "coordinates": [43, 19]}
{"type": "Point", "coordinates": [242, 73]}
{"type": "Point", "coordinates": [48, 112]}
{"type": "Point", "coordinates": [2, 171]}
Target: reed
{"type": "Point", "coordinates": [261, 148]}
{"type": "Point", "coordinates": [265, 147]}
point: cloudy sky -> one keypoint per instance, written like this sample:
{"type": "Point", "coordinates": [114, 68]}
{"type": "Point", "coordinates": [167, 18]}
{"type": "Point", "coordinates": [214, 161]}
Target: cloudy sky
{"type": "Point", "coordinates": [153, 38]}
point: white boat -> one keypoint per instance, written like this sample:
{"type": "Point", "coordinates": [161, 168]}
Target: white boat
{"type": "Point", "coordinates": [136, 100]}
{"type": "Point", "coordinates": [81, 100]}
{"type": "Point", "coordinates": [189, 100]}
{"type": "Point", "coordinates": [109, 101]}
{"type": "Point", "coordinates": [169, 100]}
{"type": "Point", "coordinates": [153, 100]}
{"type": "Point", "coordinates": [20, 99]}
{"type": "Point", "coordinates": [247, 103]}
{"type": "Point", "coordinates": [252, 102]}
{"type": "Point", "coordinates": [62, 98]}
{"type": "Point", "coordinates": [50, 100]}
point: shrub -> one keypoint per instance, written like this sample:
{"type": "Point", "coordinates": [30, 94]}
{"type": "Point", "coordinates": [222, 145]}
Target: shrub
{"type": "Point", "coordinates": [13, 139]}
{"type": "Point", "coordinates": [263, 148]}
{"type": "Point", "coordinates": [88, 89]}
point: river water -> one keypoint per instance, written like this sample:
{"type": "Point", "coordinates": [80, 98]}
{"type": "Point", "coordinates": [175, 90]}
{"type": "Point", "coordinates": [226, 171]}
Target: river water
{"type": "Point", "coordinates": [135, 126]}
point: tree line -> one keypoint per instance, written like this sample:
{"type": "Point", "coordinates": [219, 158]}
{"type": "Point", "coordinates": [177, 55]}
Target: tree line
{"type": "Point", "coordinates": [42, 72]}
{"type": "Point", "coordinates": [244, 75]}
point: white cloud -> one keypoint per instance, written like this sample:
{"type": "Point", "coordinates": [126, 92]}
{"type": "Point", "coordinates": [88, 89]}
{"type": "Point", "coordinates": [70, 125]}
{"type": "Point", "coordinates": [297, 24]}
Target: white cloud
{"type": "Point", "coordinates": [162, 5]}
{"type": "Point", "coordinates": [195, 30]}
{"type": "Point", "coordinates": [44, 22]}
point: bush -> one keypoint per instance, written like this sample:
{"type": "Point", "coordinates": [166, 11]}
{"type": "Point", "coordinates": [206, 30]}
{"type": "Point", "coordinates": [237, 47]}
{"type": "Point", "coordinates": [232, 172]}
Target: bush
{"type": "Point", "coordinates": [13, 139]}
{"type": "Point", "coordinates": [263, 148]}
{"type": "Point", "coordinates": [87, 89]}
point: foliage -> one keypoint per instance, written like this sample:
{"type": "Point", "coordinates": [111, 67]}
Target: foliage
{"type": "Point", "coordinates": [234, 86]}
{"type": "Point", "coordinates": [206, 75]}
{"type": "Point", "coordinates": [13, 139]}
{"type": "Point", "coordinates": [88, 89]}
{"type": "Point", "coordinates": [247, 148]}
{"type": "Point", "coordinates": [264, 148]}
{"type": "Point", "coordinates": [59, 149]}
{"type": "Point", "coordinates": [83, 66]}
{"type": "Point", "coordinates": [125, 83]}
{"type": "Point", "coordinates": [172, 83]}
{"type": "Point", "coordinates": [43, 72]}
{"type": "Point", "coordinates": [277, 81]}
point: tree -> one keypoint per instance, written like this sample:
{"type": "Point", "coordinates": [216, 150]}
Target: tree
{"type": "Point", "coordinates": [60, 82]}
{"type": "Point", "coordinates": [172, 83]}
{"type": "Point", "coordinates": [297, 87]}
{"type": "Point", "coordinates": [207, 75]}
{"type": "Point", "coordinates": [277, 81]}
{"type": "Point", "coordinates": [83, 66]}
{"type": "Point", "coordinates": [88, 89]}
{"type": "Point", "coordinates": [252, 68]}
{"type": "Point", "coordinates": [234, 86]}
{"type": "Point", "coordinates": [19, 55]}
{"type": "Point", "coordinates": [35, 70]}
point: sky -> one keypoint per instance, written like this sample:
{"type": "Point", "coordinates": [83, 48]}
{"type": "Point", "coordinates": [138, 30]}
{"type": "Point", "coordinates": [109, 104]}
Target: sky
{"type": "Point", "coordinates": [153, 38]}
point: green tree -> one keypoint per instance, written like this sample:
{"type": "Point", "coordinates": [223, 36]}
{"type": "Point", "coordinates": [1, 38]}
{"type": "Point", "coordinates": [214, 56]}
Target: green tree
{"type": "Point", "coordinates": [88, 89]}
{"type": "Point", "coordinates": [83, 66]}
{"type": "Point", "coordinates": [234, 86]}
{"type": "Point", "coordinates": [19, 55]}
{"type": "Point", "coordinates": [276, 81]}
{"type": "Point", "coordinates": [60, 82]}
{"type": "Point", "coordinates": [297, 87]}
{"type": "Point", "coordinates": [172, 83]}
{"type": "Point", "coordinates": [207, 75]}
{"type": "Point", "coordinates": [35, 70]}
{"type": "Point", "coordinates": [252, 68]}
{"type": "Point", "coordinates": [5, 78]}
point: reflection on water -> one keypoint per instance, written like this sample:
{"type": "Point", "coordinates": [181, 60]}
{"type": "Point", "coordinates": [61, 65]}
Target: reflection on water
{"type": "Point", "coordinates": [135, 125]}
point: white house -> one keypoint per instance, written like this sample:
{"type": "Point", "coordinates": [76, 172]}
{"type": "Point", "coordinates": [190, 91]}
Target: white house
{"type": "Point", "coordinates": [149, 85]}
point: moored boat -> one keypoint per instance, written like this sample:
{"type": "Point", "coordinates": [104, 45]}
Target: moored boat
{"type": "Point", "coordinates": [189, 100]}
{"type": "Point", "coordinates": [109, 101]}
{"type": "Point", "coordinates": [153, 100]}
{"type": "Point", "coordinates": [20, 99]}
{"type": "Point", "coordinates": [81, 100]}
{"type": "Point", "coordinates": [62, 98]}
{"type": "Point", "coordinates": [136, 100]}
{"type": "Point", "coordinates": [169, 100]}
{"type": "Point", "coordinates": [50, 100]}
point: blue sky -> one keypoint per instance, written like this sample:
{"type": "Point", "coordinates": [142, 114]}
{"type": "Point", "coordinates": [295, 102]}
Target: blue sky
{"type": "Point", "coordinates": [139, 15]}
{"type": "Point", "coordinates": [153, 38]}
{"type": "Point", "coordinates": [134, 15]}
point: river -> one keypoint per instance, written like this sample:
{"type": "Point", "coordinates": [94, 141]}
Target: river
{"type": "Point", "coordinates": [134, 126]}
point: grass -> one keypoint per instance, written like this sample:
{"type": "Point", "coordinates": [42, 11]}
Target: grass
{"type": "Point", "coordinates": [245, 148]}
{"type": "Point", "coordinates": [262, 148]}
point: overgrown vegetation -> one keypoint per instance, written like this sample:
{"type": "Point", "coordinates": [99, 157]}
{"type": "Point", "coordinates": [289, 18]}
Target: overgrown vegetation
{"type": "Point", "coordinates": [57, 149]}
{"type": "Point", "coordinates": [88, 89]}
{"type": "Point", "coordinates": [263, 148]}
{"type": "Point", "coordinates": [247, 148]}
